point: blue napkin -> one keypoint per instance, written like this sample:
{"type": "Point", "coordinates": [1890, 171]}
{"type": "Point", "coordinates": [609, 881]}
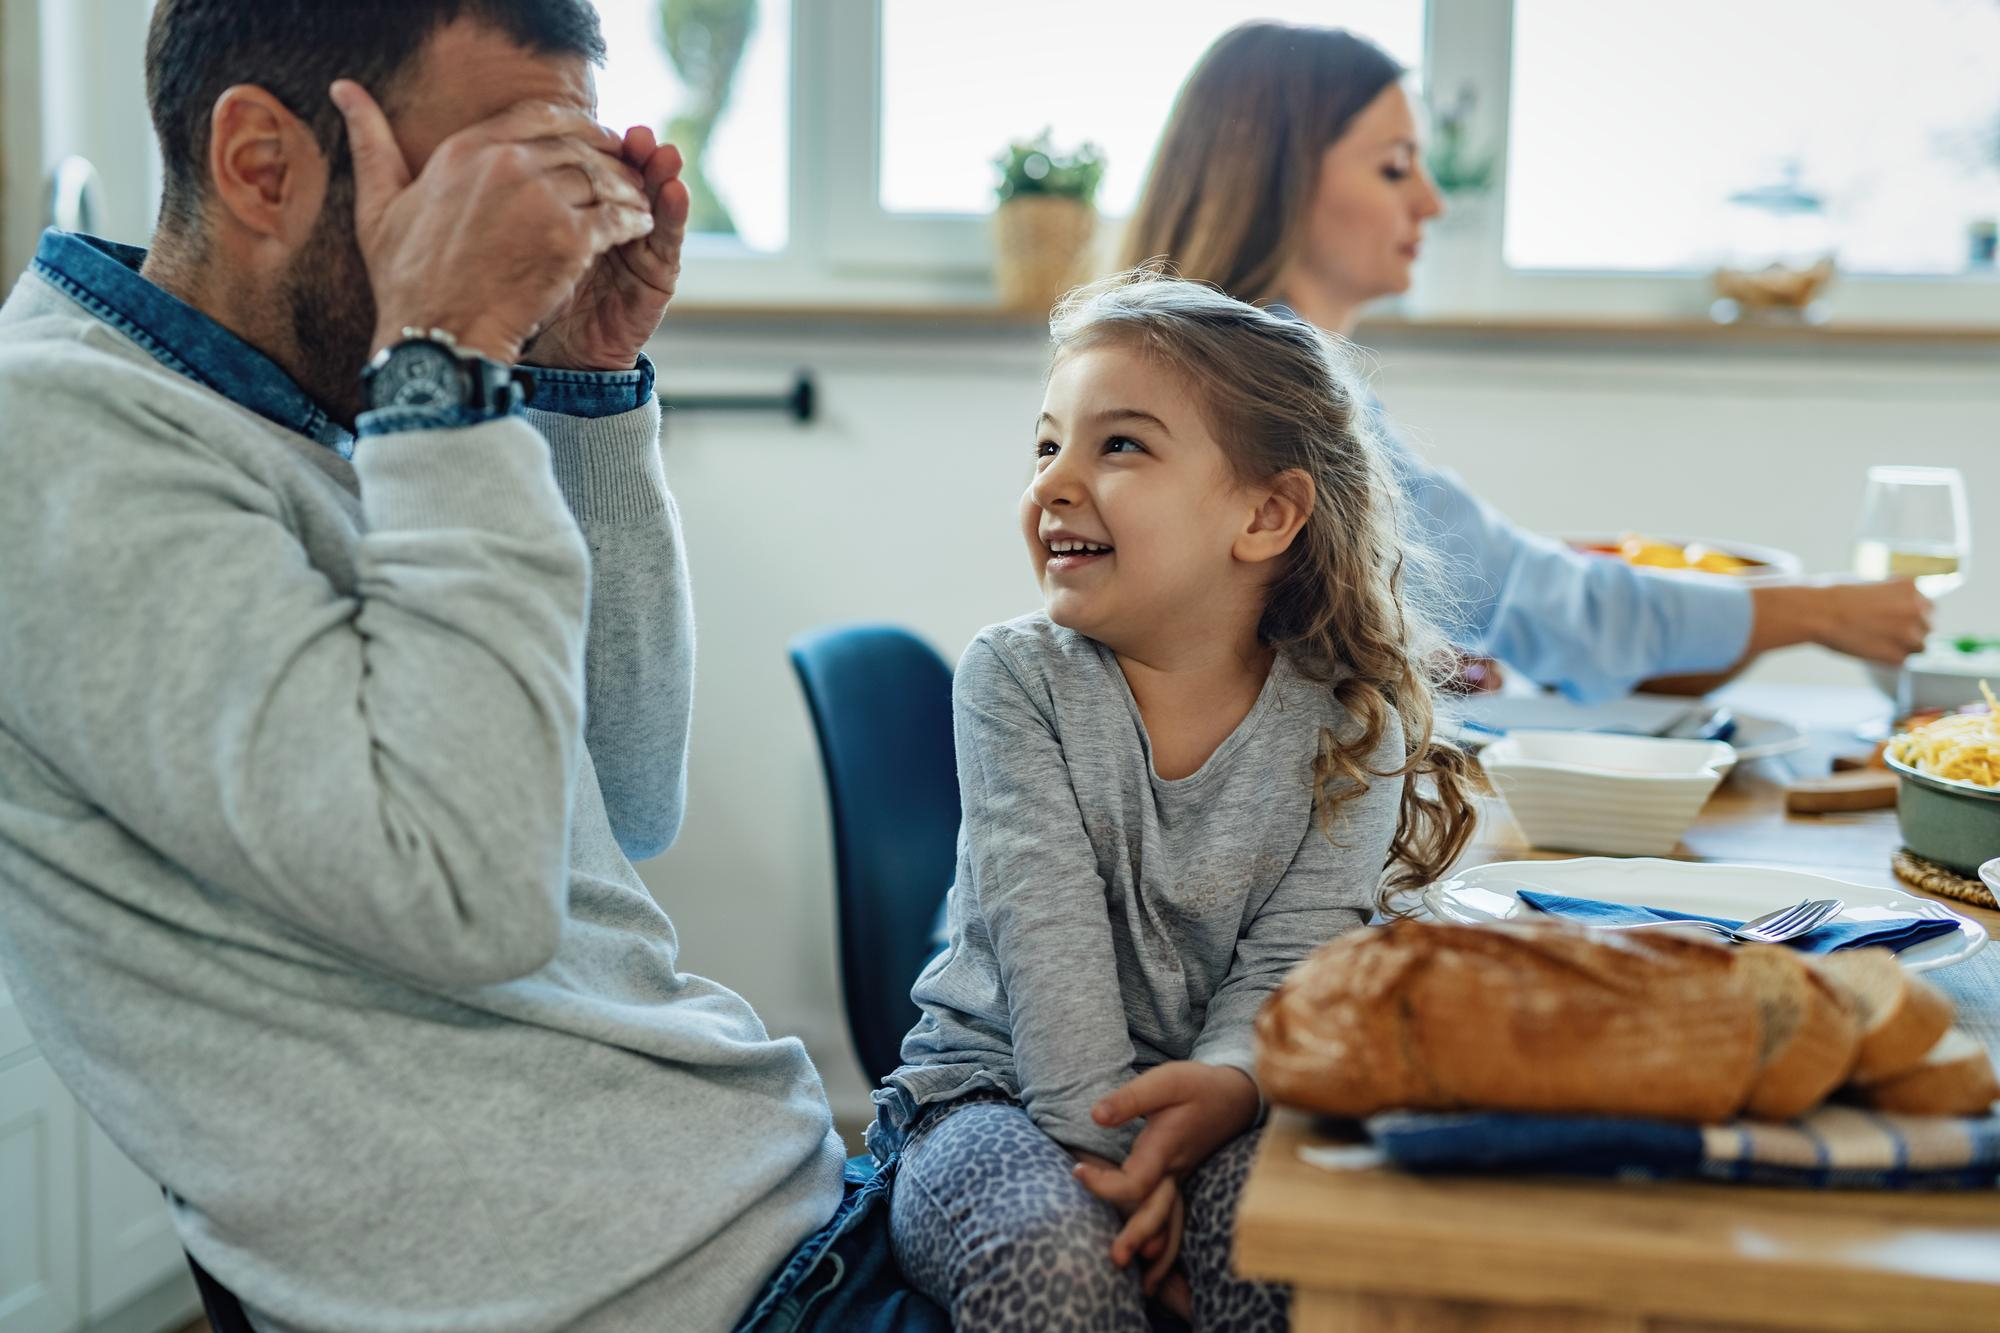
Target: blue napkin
{"type": "Point", "coordinates": [1836, 1147]}
{"type": "Point", "coordinates": [1895, 934]}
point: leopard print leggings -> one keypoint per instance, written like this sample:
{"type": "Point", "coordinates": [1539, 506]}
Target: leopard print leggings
{"type": "Point", "coordinates": [987, 1221]}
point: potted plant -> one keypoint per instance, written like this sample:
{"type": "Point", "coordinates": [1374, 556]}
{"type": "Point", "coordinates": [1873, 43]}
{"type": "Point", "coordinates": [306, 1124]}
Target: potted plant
{"type": "Point", "coordinates": [1045, 221]}
{"type": "Point", "coordinates": [1459, 171]}
{"type": "Point", "coordinates": [1455, 274]}
{"type": "Point", "coordinates": [704, 40]}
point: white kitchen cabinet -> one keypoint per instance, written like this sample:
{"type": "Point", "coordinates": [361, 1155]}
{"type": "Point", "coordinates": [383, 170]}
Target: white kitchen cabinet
{"type": "Point", "coordinates": [14, 1038]}
{"type": "Point", "coordinates": [86, 1244]}
{"type": "Point", "coordinates": [130, 1245]}
{"type": "Point", "coordinates": [40, 1260]}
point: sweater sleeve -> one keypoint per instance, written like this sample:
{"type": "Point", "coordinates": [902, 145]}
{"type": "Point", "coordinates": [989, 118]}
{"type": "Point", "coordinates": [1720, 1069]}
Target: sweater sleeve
{"type": "Point", "coordinates": [639, 661]}
{"type": "Point", "coordinates": [1592, 627]}
{"type": "Point", "coordinates": [1038, 888]}
{"type": "Point", "coordinates": [382, 757]}
{"type": "Point", "coordinates": [1329, 888]}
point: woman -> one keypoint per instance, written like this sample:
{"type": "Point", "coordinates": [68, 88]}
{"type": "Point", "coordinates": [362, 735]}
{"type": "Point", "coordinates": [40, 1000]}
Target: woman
{"type": "Point", "coordinates": [1291, 174]}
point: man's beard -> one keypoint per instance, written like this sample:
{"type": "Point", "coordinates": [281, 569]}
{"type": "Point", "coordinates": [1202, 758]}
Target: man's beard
{"type": "Point", "coordinates": [332, 307]}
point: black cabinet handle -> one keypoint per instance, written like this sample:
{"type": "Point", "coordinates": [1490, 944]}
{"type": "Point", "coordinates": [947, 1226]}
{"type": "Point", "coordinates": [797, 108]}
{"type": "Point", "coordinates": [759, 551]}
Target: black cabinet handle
{"type": "Point", "coordinates": [799, 403]}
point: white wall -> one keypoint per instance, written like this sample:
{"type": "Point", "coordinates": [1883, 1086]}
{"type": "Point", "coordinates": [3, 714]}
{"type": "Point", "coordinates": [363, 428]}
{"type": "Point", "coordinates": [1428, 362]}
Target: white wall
{"type": "Point", "coordinates": [898, 505]}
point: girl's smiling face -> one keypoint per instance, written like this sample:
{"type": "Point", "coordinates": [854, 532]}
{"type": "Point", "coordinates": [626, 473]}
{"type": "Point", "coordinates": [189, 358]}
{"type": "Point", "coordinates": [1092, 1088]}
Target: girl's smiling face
{"type": "Point", "coordinates": [1133, 518]}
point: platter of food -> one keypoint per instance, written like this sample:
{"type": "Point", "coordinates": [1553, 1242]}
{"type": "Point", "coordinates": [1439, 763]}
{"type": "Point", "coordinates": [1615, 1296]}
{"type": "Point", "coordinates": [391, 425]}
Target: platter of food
{"type": "Point", "coordinates": [1697, 555]}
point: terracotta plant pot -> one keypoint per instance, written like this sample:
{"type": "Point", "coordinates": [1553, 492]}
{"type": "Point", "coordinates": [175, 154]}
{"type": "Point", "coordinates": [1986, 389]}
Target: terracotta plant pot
{"type": "Point", "coordinates": [1040, 242]}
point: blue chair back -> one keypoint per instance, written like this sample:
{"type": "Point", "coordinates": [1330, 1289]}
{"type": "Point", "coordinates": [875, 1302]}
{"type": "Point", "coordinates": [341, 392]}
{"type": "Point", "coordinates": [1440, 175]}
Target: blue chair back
{"type": "Point", "coordinates": [881, 705]}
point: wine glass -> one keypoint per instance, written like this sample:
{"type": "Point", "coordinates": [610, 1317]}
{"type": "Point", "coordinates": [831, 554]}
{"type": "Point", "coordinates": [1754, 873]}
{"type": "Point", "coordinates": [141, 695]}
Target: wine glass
{"type": "Point", "coordinates": [1914, 524]}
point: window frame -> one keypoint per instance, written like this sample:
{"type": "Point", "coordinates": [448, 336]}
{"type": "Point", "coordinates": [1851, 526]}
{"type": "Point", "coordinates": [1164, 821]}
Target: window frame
{"type": "Point", "coordinates": [1495, 289]}
{"type": "Point", "coordinates": [835, 107]}
{"type": "Point", "coordinates": [846, 247]}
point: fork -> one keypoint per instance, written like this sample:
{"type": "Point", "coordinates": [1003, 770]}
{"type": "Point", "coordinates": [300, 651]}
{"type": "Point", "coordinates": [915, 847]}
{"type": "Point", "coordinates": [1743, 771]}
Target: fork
{"type": "Point", "coordinates": [1771, 928]}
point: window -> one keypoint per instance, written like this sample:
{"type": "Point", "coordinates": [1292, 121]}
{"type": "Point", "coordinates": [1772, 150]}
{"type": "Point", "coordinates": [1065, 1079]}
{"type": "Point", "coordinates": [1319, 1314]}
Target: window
{"type": "Point", "coordinates": [1635, 147]}
{"type": "Point", "coordinates": [1674, 138]}
{"type": "Point", "coordinates": [959, 81]}
{"type": "Point", "coordinates": [714, 76]}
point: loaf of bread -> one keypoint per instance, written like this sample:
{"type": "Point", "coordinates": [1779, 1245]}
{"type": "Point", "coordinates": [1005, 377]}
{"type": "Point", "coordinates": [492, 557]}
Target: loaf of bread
{"type": "Point", "coordinates": [1543, 1017]}
{"type": "Point", "coordinates": [1810, 1033]}
{"type": "Point", "coordinates": [1902, 1016]}
{"type": "Point", "coordinates": [1955, 1077]}
{"type": "Point", "coordinates": [1556, 1018]}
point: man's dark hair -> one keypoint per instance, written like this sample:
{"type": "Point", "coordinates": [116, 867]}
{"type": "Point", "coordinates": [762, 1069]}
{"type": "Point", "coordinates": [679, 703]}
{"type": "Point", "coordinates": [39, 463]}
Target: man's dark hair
{"type": "Point", "coordinates": [293, 49]}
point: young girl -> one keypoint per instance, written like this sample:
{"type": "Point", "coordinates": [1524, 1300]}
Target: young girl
{"type": "Point", "coordinates": [1188, 772]}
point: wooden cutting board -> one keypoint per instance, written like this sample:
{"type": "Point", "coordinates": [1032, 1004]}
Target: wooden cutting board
{"type": "Point", "coordinates": [1862, 789]}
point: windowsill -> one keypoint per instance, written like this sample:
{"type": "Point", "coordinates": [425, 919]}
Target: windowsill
{"type": "Point", "coordinates": [1678, 330]}
{"type": "Point", "coordinates": [980, 318]}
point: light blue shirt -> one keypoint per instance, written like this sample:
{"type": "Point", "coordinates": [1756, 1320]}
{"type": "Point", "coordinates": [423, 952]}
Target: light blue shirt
{"type": "Point", "coordinates": [1590, 626]}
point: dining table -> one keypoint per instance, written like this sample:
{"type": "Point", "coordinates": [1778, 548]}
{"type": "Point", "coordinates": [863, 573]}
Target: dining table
{"type": "Point", "coordinates": [1377, 1250]}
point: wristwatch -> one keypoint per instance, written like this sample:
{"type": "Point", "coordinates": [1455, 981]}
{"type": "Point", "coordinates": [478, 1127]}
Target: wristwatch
{"type": "Point", "coordinates": [428, 369]}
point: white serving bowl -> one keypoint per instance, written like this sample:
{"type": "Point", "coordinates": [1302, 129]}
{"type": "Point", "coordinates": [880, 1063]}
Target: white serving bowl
{"type": "Point", "coordinates": [1990, 875]}
{"type": "Point", "coordinates": [1630, 795]}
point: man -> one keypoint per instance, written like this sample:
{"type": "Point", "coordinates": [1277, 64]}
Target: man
{"type": "Point", "coordinates": [334, 706]}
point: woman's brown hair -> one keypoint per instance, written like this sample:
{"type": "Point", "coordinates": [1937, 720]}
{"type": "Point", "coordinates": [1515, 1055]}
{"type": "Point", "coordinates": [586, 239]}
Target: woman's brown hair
{"type": "Point", "coordinates": [1279, 397]}
{"type": "Point", "coordinates": [1233, 179]}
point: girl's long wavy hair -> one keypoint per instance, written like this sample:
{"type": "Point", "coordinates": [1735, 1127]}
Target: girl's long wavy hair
{"type": "Point", "coordinates": [1280, 397]}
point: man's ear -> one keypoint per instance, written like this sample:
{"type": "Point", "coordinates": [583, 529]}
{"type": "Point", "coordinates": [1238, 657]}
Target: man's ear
{"type": "Point", "coordinates": [265, 168]}
{"type": "Point", "coordinates": [1283, 506]}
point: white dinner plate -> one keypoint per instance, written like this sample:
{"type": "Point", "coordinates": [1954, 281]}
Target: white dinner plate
{"type": "Point", "coordinates": [1763, 737]}
{"type": "Point", "coordinates": [1488, 893]}
{"type": "Point", "coordinates": [1493, 715]}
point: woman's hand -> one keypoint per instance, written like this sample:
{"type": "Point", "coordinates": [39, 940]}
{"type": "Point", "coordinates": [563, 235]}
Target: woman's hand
{"type": "Point", "coordinates": [1881, 621]}
{"type": "Point", "coordinates": [1875, 621]}
{"type": "Point", "coordinates": [1190, 1109]}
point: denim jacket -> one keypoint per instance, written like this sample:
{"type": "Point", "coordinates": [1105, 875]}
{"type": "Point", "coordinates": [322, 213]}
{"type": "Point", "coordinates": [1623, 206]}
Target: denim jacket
{"type": "Point", "coordinates": [103, 277]}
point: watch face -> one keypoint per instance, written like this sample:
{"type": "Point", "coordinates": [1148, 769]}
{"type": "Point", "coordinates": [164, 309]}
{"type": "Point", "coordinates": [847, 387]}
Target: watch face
{"type": "Point", "coordinates": [417, 374]}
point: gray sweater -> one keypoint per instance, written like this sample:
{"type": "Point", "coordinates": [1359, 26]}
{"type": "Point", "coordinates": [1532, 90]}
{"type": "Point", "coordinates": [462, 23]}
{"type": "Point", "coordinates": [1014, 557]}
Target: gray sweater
{"type": "Point", "coordinates": [311, 879]}
{"type": "Point", "coordinates": [1105, 920]}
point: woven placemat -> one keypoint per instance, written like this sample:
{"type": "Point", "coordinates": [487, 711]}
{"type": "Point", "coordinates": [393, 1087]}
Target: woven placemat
{"type": "Point", "coordinates": [1931, 877]}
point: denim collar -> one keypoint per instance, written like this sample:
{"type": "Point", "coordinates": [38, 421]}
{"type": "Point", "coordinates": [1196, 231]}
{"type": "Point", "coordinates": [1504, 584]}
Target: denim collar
{"type": "Point", "coordinates": [103, 277]}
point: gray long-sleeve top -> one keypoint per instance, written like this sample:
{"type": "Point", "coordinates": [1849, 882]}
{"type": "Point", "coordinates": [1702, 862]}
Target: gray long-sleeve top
{"type": "Point", "coordinates": [1105, 920]}
{"type": "Point", "coordinates": [311, 881]}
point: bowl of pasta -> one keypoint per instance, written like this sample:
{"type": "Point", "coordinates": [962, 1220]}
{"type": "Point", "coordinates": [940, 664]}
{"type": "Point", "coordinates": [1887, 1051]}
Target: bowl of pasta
{"type": "Point", "coordinates": [1948, 802]}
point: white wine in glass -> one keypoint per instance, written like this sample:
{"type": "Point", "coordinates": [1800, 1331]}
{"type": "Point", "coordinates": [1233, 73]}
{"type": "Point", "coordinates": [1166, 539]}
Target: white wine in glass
{"type": "Point", "coordinates": [1914, 525]}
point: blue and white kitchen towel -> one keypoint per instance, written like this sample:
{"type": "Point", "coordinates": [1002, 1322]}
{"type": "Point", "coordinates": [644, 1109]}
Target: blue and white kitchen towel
{"type": "Point", "coordinates": [1836, 1147]}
